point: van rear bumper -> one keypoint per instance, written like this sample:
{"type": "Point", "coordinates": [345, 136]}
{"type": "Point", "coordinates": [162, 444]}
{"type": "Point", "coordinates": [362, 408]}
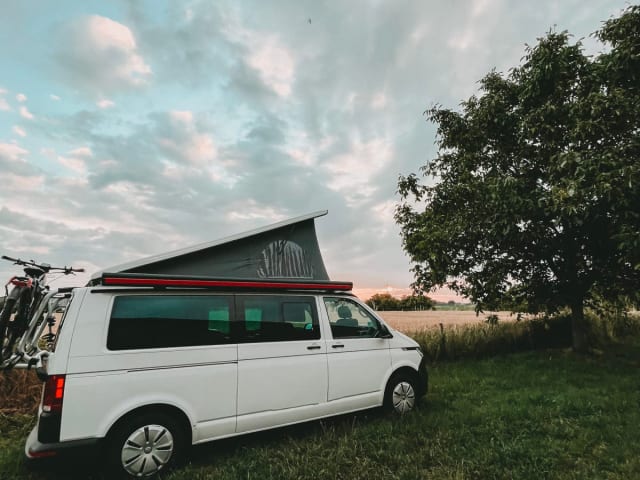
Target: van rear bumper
{"type": "Point", "coordinates": [34, 450]}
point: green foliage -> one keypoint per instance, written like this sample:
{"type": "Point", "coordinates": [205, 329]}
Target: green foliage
{"type": "Point", "coordinates": [416, 302]}
{"type": "Point", "coordinates": [383, 302]}
{"type": "Point", "coordinates": [386, 301]}
{"type": "Point", "coordinates": [537, 194]}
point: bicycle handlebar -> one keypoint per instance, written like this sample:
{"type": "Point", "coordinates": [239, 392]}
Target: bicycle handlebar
{"type": "Point", "coordinates": [44, 266]}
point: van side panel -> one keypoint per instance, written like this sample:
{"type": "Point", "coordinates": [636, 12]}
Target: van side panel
{"type": "Point", "coordinates": [206, 394]}
{"type": "Point", "coordinates": [280, 383]}
{"type": "Point", "coordinates": [103, 385]}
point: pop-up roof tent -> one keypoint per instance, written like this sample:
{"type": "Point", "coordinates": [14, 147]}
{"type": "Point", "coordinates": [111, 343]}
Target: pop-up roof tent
{"type": "Point", "coordinates": [285, 251]}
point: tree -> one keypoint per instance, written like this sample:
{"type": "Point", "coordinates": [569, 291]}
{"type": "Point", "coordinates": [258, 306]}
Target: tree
{"type": "Point", "coordinates": [383, 301]}
{"type": "Point", "coordinates": [416, 302]}
{"type": "Point", "coordinates": [386, 301]}
{"type": "Point", "coordinates": [535, 195]}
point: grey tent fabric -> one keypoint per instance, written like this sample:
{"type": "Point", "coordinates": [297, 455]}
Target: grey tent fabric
{"type": "Point", "coordinates": [286, 250]}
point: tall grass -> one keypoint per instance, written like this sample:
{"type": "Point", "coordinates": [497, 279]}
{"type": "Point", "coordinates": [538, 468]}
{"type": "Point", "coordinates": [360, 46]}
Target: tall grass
{"type": "Point", "coordinates": [485, 340]}
{"type": "Point", "coordinates": [19, 392]}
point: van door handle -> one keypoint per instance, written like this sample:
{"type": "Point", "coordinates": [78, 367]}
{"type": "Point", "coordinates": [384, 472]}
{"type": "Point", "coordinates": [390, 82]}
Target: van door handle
{"type": "Point", "coordinates": [313, 347]}
{"type": "Point", "coordinates": [337, 345]}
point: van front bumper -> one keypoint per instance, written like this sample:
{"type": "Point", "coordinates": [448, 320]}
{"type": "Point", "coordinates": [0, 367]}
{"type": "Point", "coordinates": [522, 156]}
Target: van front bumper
{"type": "Point", "coordinates": [34, 449]}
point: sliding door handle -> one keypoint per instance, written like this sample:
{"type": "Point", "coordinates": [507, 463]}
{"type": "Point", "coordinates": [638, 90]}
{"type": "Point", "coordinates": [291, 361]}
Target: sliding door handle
{"type": "Point", "coordinates": [337, 345]}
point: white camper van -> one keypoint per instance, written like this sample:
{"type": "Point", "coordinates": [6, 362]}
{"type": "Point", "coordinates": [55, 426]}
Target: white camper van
{"type": "Point", "coordinates": [216, 340]}
{"type": "Point", "coordinates": [145, 366]}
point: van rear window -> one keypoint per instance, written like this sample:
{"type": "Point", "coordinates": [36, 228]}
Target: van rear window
{"type": "Point", "coordinates": [154, 321]}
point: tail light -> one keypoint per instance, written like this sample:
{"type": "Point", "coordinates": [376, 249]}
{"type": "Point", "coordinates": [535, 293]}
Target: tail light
{"type": "Point", "coordinates": [53, 394]}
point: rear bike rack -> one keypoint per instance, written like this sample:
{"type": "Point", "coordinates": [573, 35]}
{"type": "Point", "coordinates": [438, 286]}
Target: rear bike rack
{"type": "Point", "coordinates": [28, 351]}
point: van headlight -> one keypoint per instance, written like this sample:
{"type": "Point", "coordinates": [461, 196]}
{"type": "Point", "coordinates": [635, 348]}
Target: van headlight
{"type": "Point", "coordinates": [416, 348]}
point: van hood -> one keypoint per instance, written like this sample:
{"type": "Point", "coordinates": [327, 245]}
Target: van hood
{"type": "Point", "coordinates": [400, 340]}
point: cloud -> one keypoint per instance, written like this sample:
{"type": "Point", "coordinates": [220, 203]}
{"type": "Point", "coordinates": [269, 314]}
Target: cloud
{"type": "Point", "coordinates": [379, 101]}
{"type": "Point", "coordinates": [101, 56]}
{"type": "Point", "coordinates": [21, 97]}
{"type": "Point", "coordinates": [273, 62]}
{"type": "Point", "coordinates": [25, 113]}
{"type": "Point", "coordinates": [352, 170]}
{"type": "Point", "coordinates": [17, 175]}
{"type": "Point", "coordinates": [190, 50]}
{"type": "Point", "coordinates": [252, 211]}
{"type": "Point", "coordinates": [76, 160]}
{"type": "Point", "coordinates": [84, 152]}
{"type": "Point", "coordinates": [183, 141]}
{"type": "Point", "coordinates": [4, 105]}
{"type": "Point", "coordinates": [73, 163]}
{"type": "Point", "coordinates": [12, 152]}
{"type": "Point", "coordinates": [19, 131]}
{"type": "Point", "coordinates": [53, 97]}
{"type": "Point", "coordinates": [104, 103]}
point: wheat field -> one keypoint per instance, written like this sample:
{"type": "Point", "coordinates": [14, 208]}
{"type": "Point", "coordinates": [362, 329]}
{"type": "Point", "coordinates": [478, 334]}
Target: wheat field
{"type": "Point", "coordinates": [415, 321]}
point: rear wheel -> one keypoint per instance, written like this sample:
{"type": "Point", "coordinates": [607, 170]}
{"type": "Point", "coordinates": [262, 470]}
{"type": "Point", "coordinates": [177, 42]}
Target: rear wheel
{"type": "Point", "coordinates": [145, 445]}
{"type": "Point", "coordinates": [13, 330]}
{"type": "Point", "coordinates": [400, 395]}
{"type": "Point", "coordinates": [5, 316]}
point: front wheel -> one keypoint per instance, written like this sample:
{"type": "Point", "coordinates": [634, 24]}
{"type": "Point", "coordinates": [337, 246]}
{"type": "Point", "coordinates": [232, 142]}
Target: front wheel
{"type": "Point", "coordinates": [145, 445]}
{"type": "Point", "coordinates": [401, 394]}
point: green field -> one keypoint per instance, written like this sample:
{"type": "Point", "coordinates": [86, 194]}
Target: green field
{"type": "Point", "coordinates": [543, 414]}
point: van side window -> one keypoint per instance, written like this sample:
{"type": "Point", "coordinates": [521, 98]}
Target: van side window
{"type": "Point", "coordinates": [154, 321]}
{"type": "Point", "coordinates": [350, 320]}
{"type": "Point", "coordinates": [277, 318]}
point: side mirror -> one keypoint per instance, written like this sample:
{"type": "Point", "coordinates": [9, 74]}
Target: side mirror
{"type": "Point", "coordinates": [384, 332]}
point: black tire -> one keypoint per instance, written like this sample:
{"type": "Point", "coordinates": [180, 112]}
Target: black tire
{"type": "Point", "coordinates": [401, 395]}
{"type": "Point", "coordinates": [161, 430]}
{"type": "Point", "coordinates": [5, 316]}
{"type": "Point", "coordinates": [16, 328]}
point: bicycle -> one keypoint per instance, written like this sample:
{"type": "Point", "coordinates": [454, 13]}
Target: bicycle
{"type": "Point", "coordinates": [25, 303]}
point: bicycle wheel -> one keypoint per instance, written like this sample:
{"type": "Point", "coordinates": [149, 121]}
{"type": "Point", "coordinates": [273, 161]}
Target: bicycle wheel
{"type": "Point", "coordinates": [5, 316]}
{"type": "Point", "coordinates": [16, 328]}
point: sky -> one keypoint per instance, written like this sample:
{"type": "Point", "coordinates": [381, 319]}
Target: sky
{"type": "Point", "coordinates": [133, 128]}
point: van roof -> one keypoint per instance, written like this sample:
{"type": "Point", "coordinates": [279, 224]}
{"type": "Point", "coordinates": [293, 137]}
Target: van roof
{"type": "Point", "coordinates": [284, 250]}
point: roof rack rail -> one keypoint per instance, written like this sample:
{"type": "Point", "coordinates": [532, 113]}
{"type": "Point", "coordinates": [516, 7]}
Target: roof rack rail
{"type": "Point", "coordinates": [180, 281]}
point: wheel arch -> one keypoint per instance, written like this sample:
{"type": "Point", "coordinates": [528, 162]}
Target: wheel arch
{"type": "Point", "coordinates": [159, 408]}
{"type": "Point", "coordinates": [405, 370]}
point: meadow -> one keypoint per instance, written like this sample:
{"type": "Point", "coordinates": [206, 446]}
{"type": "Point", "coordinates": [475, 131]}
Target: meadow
{"type": "Point", "coordinates": [541, 413]}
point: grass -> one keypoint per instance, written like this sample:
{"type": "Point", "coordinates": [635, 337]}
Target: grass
{"type": "Point", "coordinates": [540, 414]}
{"type": "Point", "coordinates": [20, 392]}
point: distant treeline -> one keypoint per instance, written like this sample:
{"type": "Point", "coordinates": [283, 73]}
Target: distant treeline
{"type": "Point", "coordinates": [386, 301]}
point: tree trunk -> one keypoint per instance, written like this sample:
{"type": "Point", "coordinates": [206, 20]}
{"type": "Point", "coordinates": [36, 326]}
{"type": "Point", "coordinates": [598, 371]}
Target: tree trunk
{"type": "Point", "coordinates": [578, 327]}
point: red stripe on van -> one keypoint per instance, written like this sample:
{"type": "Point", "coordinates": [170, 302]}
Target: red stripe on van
{"type": "Point", "coordinates": [174, 282]}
